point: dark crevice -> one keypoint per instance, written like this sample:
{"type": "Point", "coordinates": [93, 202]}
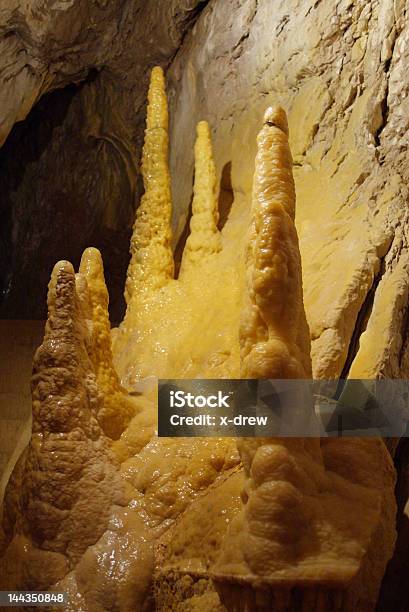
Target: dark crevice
{"type": "Point", "coordinates": [385, 113]}
{"type": "Point", "coordinates": [313, 7]}
{"type": "Point", "coordinates": [226, 196]}
{"type": "Point", "coordinates": [20, 150]}
{"type": "Point", "coordinates": [361, 324]}
{"type": "Point", "coordinates": [394, 591]}
{"type": "Point", "coordinates": [188, 23]}
{"type": "Point", "coordinates": [50, 171]}
{"type": "Point", "coordinates": [405, 341]}
{"type": "Point", "coordinates": [180, 246]}
{"type": "Point", "coordinates": [283, 22]}
{"type": "Point", "coordinates": [237, 49]}
{"type": "Point", "coordinates": [384, 102]}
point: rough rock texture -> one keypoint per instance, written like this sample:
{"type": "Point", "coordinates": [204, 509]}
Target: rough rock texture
{"type": "Point", "coordinates": [59, 498]}
{"type": "Point", "coordinates": [165, 315]}
{"type": "Point", "coordinates": [338, 68]}
{"type": "Point", "coordinates": [81, 512]}
{"type": "Point", "coordinates": [96, 487]}
{"type": "Point", "coordinates": [69, 175]}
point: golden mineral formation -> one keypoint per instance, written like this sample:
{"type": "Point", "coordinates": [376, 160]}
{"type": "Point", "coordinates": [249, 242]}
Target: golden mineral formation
{"type": "Point", "coordinates": [165, 316]}
{"type": "Point", "coordinates": [102, 508]}
{"type": "Point", "coordinates": [151, 255]}
{"type": "Point", "coordinates": [117, 409]}
{"type": "Point", "coordinates": [58, 501]}
{"type": "Point", "coordinates": [204, 238]}
{"type": "Point", "coordinates": [316, 527]}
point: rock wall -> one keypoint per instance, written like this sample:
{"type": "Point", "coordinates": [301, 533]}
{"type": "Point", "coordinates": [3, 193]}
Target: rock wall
{"type": "Point", "coordinates": [69, 173]}
{"type": "Point", "coordinates": [338, 68]}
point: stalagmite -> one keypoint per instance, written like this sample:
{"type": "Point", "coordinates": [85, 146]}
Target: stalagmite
{"type": "Point", "coordinates": [60, 503]}
{"type": "Point", "coordinates": [294, 494]}
{"type": "Point", "coordinates": [274, 335]}
{"type": "Point", "coordinates": [117, 408]}
{"type": "Point", "coordinates": [151, 263]}
{"type": "Point", "coordinates": [204, 238]}
{"type": "Point", "coordinates": [166, 315]}
{"type": "Point", "coordinates": [316, 525]}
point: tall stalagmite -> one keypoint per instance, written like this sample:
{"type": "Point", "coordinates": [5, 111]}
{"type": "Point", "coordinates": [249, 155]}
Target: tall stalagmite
{"type": "Point", "coordinates": [204, 238]}
{"type": "Point", "coordinates": [293, 532]}
{"type": "Point", "coordinates": [117, 409]}
{"type": "Point", "coordinates": [57, 504]}
{"type": "Point", "coordinates": [151, 263]}
{"type": "Point", "coordinates": [265, 523]}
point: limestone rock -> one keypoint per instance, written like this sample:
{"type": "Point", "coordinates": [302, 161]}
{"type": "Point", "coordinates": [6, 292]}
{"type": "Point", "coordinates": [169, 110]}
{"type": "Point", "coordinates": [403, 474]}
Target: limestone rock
{"type": "Point", "coordinates": [339, 71]}
{"type": "Point", "coordinates": [338, 68]}
{"type": "Point", "coordinates": [59, 500]}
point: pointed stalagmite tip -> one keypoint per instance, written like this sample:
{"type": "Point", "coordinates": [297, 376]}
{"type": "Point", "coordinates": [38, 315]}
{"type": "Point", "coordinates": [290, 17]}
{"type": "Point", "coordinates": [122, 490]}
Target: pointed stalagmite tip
{"type": "Point", "coordinates": [92, 267]}
{"type": "Point", "coordinates": [157, 73]}
{"type": "Point", "coordinates": [61, 269]}
{"type": "Point", "coordinates": [157, 111]}
{"type": "Point", "coordinates": [151, 264]}
{"type": "Point", "coordinates": [61, 286]}
{"type": "Point", "coordinates": [204, 239]}
{"type": "Point", "coordinates": [276, 116]}
{"type": "Point", "coordinates": [91, 262]}
{"type": "Point", "coordinates": [202, 128]}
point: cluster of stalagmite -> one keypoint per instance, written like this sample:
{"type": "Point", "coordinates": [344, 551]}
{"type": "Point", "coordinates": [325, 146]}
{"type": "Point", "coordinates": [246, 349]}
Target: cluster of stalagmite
{"type": "Point", "coordinates": [59, 498]}
{"type": "Point", "coordinates": [295, 541]}
{"type": "Point", "coordinates": [102, 508]}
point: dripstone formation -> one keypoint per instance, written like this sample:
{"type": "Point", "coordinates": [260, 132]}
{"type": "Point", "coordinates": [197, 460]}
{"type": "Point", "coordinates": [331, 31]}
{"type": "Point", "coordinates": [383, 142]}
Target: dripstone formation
{"type": "Point", "coordinates": [99, 507]}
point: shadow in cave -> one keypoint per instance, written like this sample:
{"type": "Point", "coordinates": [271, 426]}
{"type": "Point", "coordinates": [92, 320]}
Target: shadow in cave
{"type": "Point", "coordinates": [226, 195]}
{"type": "Point", "coordinates": [394, 593]}
{"type": "Point", "coordinates": [64, 188]}
{"type": "Point", "coordinates": [19, 150]}
{"type": "Point", "coordinates": [180, 246]}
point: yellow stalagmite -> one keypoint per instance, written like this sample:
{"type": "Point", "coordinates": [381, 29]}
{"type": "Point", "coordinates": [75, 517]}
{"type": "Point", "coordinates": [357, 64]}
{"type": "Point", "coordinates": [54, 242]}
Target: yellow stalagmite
{"type": "Point", "coordinates": [296, 527]}
{"type": "Point", "coordinates": [204, 238]}
{"type": "Point", "coordinates": [117, 409]}
{"type": "Point", "coordinates": [272, 318]}
{"type": "Point", "coordinates": [274, 335]}
{"type": "Point", "coordinates": [151, 264]}
{"type": "Point", "coordinates": [68, 478]}
{"type": "Point", "coordinates": [294, 523]}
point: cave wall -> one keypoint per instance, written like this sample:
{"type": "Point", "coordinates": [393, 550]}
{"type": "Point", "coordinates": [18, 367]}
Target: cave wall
{"type": "Point", "coordinates": [338, 68]}
{"type": "Point", "coordinates": [75, 74]}
{"type": "Point", "coordinates": [66, 184]}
